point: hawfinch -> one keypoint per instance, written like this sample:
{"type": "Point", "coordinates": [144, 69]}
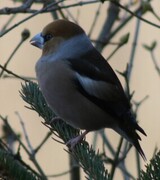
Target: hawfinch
{"type": "Point", "coordinates": [80, 86]}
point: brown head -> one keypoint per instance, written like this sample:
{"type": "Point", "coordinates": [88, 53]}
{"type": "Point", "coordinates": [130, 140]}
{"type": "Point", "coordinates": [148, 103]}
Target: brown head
{"type": "Point", "coordinates": [54, 34]}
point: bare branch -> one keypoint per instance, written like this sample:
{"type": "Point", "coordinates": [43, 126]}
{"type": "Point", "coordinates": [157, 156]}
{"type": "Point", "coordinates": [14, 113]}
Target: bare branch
{"type": "Point", "coordinates": [46, 9]}
{"type": "Point", "coordinates": [25, 132]}
{"type": "Point", "coordinates": [23, 8]}
{"type": "Point", "coordinates": [15, 75]}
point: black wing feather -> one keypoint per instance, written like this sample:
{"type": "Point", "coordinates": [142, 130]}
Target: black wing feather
{"type": "Point", "coordinates": [96, 68]}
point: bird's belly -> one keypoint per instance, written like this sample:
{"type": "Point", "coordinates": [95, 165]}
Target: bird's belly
{"type": "Point", "coordinates": [68, 103]}
{"type": "Point", "coordinates": [77, 111]}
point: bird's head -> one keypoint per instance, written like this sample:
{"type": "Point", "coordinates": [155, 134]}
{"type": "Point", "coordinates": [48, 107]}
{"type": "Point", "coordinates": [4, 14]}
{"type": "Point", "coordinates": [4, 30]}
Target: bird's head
{"type": "Point", "coordinates": [54, 34]}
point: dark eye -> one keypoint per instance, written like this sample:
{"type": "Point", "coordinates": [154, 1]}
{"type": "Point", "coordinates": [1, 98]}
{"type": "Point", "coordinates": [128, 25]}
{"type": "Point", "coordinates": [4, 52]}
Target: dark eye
{"type": "Point", "coordinates": [47, 37]}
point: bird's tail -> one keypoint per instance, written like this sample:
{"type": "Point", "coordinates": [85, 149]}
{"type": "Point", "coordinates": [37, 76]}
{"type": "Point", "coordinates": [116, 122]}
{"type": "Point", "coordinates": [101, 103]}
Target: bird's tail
{"type": "Point", "coordinates": [135, 140]}
{"type": "Point", "coordinates": [127, 128]}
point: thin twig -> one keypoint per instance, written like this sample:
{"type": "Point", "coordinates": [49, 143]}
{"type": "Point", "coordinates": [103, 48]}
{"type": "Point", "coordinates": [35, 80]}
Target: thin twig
{"type": "Point", "coordinates": [70, 15]}
{"type": "Point", "coordinates": [126, 174]}
{"type": "Point", "coordinates": [42, 143]}
{"type": "Point", "coordinates": [112, 15]}
{"type": "Point", "coordinates": [138, 164]}
{"type": "Point", "coordinates": [46, 10]}
{"type": "Point", "coordinates": [139, 103]}
{"type": "Point", "coordinates": [31, 16]}
{"type": "Point", "coordinates": [134, 14]}
{"type": "Point", "coordinates": [10, 57]}
{"type": "Point", "coordinates": [15, 75]}
{"type": "Point", "coordinates": [31, 156]}
{"type": "Point", "coordinates": [133, 52]}
{"type": "Point", "coordinates": [120, 26]}
{"type": "Point", "coordinates": [155, 14]}
{"type": "Point", "coordinates": [107, 143]}
{"type": "Point", "coordinates": [25, 132]}
{"type": "Point", "coordinates": [50, 128]}
{"type": "Point", "coordinates": [23, 8]}
{"type": "Point", "coordinates": [5, 76]}
{"type": "Point", "coordinates": [116, 158]}
{"type": "Point", "coordinates": [113, 52]}
{"type": "Point", "coordinates": [155, 63]}
{"type": "Point", "coordinates": [94, 21]}
{"type": "Point", "coordinates": [8, 22]}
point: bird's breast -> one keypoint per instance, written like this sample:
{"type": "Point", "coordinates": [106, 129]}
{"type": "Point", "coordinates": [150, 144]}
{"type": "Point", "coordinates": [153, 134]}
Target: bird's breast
{"type": "Point", "coordinates": [55, 80]}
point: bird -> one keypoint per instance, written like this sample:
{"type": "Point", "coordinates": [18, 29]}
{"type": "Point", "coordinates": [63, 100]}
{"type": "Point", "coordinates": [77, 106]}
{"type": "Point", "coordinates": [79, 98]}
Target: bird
{"type": "Point", "coordinates": [80, 86]}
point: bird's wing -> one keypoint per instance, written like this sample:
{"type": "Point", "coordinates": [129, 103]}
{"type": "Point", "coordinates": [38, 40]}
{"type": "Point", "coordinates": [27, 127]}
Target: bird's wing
{"type": "Point", "coordinates": [96, 80]}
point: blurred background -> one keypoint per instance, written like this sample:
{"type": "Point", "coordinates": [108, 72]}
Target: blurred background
{"type": "Point", "coordinates": [144, 77]}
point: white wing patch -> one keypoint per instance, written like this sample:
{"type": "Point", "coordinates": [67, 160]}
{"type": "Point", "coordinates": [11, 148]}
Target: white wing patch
{"type": "Point", "coordinates": [99, 89]}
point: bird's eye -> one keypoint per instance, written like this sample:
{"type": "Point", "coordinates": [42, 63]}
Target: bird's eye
{"type": "Point", "coordinates": [47, 37]}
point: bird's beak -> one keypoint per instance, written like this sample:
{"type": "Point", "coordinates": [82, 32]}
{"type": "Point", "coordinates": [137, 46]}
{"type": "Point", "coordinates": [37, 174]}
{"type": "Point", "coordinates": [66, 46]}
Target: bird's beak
{"type": "Point", "coordinates": [37, 41]}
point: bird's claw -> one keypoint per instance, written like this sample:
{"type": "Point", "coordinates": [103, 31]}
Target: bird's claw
{"type": "Point", "coordinates": [73, 142]}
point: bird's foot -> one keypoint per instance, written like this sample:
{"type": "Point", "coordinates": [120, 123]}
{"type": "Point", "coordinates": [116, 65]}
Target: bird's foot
{"type": "Point", "coordinates": [54, 120]}
{"type": "Point", "coordinates": [72, 142]}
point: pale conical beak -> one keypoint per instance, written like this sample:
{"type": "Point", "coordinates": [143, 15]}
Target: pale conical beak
{"type": "Point", "coordinates": [37, 41]}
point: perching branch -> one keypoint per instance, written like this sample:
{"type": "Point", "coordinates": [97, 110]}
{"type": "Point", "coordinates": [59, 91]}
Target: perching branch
{"type": "Point", "coordinates": [88, 159]}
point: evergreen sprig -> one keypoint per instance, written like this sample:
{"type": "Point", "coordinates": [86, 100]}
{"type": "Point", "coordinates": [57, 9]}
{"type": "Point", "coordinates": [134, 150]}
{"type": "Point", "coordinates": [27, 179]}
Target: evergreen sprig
{"type": "Point", "coordinates": [10, 168]}
{"type": "Point", "coordinates": [152, 169]}
{"type": "Point", "coordinates": [88, 159]}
